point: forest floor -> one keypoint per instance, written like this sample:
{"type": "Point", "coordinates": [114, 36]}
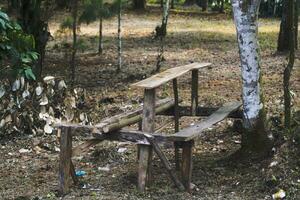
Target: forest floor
{"type": "Point", "coordinates": [111, 167]}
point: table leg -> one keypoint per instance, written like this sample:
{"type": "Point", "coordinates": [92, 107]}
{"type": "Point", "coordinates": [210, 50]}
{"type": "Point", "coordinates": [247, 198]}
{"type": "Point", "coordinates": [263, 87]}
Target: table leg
{"type": "Point", "coordinates": [194, 97]}
{"type": "Point", "coordinates": [145, 151]}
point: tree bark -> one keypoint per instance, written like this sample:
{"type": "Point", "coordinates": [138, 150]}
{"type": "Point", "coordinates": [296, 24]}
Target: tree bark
{"type": "Point", "coordinates": [284, 38]}
{"type": "Point", "coordinates": [189, 2]}
{"type": "Point", "coordinates": [139, 4]}
{"type": "Point", "coordinates": [32, 23]}
{"type": "Point", "coordinates": [290, 65]}
{"type": "Point", "coordinates": [119, 37]}
{"type": "Point", "coordinates": [74, 47]}
{"type": "Point", "coordinates": [100, 47]}
{"type": "Point", "coordinates": [161, 33]}
{"type": "Point", "coordinates": [255, 139]}
{"type": "Point", "coordinates": [172, 4]}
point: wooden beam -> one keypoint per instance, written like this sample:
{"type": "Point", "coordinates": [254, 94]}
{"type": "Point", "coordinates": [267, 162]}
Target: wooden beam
{"type": "Point", "coordinates": [194, 92]}
{"type": "Point", "coordinates": [86, 145]}
{"type": "Point", "coordinates": [73, 173]}
{"type": "Point", "coordinates": [165, 161]}
{"type": "Point", "coordinates": [176, 119]}
{"type": "Point", "coordinates": [187, 166]}
{"type": "Point", "coordinates": [145, 151]}
{"type": "Point", "coordinates": [65, 160]}
{"type": "Point", "coordinates": [115, 123]}
{"type": "Point", "coordinates": [194, 131]}
{"type": "Point", "coordinates": [176, 102]}
{"type": "Point", "coordinates": [202, 111]}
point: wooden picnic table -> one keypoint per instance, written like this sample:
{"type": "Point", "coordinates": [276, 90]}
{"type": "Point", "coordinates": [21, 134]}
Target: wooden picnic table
{"type": "Point", "coordinates": [146, 138]}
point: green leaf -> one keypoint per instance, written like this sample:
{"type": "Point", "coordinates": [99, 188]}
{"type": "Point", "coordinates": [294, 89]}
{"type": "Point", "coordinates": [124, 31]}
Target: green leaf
{"type": "Point", "coordinates": [29, 74]}
{"type": "Point", "coordinates": [4, 16]}
{"type": "Point", "coordinates": [2, 24]}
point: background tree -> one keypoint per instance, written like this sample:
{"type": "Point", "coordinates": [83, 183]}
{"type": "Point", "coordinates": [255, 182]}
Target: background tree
{"type": "Point", "coordinates": [284, 38]}
{"type": "Point", "coordinates": [254, 140]}
{"type": "Point", "coordinates": [74, 46]}
{"type": "Point", "coordinates": [17, 54]}
{"type": "Point", "coordinates": [290, 6]}
{"type": "Point", "coordinates": [139, 4]}
{"type": "Point", "coordinates": [33, 16]}
{"type": "Point", "coordinates": [119, 3]}
{"type": "Point", "coordinates": [161, 32]}
{"type": "Point", "coordinates": [96, 10]}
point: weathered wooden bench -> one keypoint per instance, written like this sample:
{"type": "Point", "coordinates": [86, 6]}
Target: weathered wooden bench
{"type": "Point", "coordinates": [146, 138]}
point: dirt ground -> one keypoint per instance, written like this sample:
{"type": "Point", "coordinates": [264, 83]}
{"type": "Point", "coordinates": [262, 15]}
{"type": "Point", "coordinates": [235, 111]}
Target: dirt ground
{"type": "Point", "coordinates": [112, 173]}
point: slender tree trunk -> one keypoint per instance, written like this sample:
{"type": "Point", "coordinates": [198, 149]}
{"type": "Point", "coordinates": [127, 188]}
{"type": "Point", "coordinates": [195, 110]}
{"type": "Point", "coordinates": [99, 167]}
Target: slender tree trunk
{"type": "Point", "coordinates": [32, 23]}
{"type": "Point", "coordinates": [74, 47]}
{"type": "Point", "coordinates": [290, 65]}
{"type": "Point", "coordinates": [139, 4]}
{"type": "Point", "coordinates": [245, 16]}
{"type": "Point", "coordinates": [296, 20]}
{"type": "Point", "coordinates": [189, 2]}
{"type": "Point", "coordinates": [100, 47]}
{"type": "Point", "coordinates": [172, 4]}
{"type": "Point", "coordinates": [119, 37]}
{"type": "Point", "coordinates": [221, 10]}
{"type": "Point", "coordinates": [162, 34]}
{"type": "Point", "coordinates": [284, 38]}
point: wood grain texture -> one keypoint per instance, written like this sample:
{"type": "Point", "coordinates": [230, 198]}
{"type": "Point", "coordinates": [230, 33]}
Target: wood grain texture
{"type": "Point", "coordinates": [187, 164]}
{"type": "Point", "coordinates": [194, 92]}
{"type": "Point", "coordinates": [165, 161]}
{"type": "Point", "coordinates": [195, 130]}
{"type": "Point", "coordinates": [145, 151]}
{"type": "Point", "coordinates": [65, 160]}
{"type": "Point", "coordinates": [165, 76]}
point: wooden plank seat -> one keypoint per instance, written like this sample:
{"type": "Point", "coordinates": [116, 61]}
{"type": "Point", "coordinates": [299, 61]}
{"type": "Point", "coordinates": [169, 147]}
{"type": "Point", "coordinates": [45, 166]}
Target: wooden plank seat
{"type": "Point", "coordinates": [192, 132]}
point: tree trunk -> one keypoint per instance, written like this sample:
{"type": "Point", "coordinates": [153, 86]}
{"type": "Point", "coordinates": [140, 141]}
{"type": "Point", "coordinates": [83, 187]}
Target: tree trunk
{"type": "Point", "coordinates": [119, 37]}
{"type": "Point", "coordinates": [296, 20]}
{"type": "Point", "coordinates": [172, 4]}
{"type": "Point", "coordinates": [139, 4]}
{"type": "Point", "coordinates": [221, 10]}
{"type": "Point", "coordinates": [162, 32]}
{"type": "Point", "coordinates": [290, 65]}
{"type": "Point", "coordinates": [284, 38]}
{"type": "Point", "coordinates": [74, 47]}
{"type": "Point", "coordinates": [32, 23]}
{"type": "Point", "coordinates": [100, 47]}
{"type": "Point", "coordinates": [189, 2]}
{"type": "Point", "coordinates": [255, 139]}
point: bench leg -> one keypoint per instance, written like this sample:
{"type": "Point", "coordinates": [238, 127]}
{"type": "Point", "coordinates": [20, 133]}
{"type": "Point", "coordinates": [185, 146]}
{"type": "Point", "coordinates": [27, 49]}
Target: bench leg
{"type": "Point", "coordinates": [65, 160]}
{"type": "Point", "coordinates": [194, 96]}
{"type": "Point", "coordinates": [186, 166]}
{"type": "Point", "coordinates": [177, 147]}
{"type": "Point", "coordinates": [144, 171]}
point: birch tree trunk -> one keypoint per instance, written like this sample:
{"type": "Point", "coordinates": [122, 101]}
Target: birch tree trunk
{"type": "Point", "coordinates": [254, 139]}
{"type": "Point", "coordinates": [161, 33]}
{"type": "Point", "coordinates": [100, 47]}
{"type": "Point", "coordinates": [119, 37]}
{"type": "Point", "coordinates": [74, 47]}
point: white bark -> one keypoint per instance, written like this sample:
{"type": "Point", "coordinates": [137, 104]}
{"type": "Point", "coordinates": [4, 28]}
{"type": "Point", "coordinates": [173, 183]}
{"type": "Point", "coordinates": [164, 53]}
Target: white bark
{"type": "Point", "coordinates": [119, 37]}
{"type": "Point", "coordinates": [245, 18]}
{"type": "Point", "coordinates": [166, 13]}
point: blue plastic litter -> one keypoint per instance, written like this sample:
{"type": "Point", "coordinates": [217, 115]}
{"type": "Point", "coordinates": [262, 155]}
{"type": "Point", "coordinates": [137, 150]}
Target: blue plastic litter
{"type": "Point", "coordinates": [80, 173]}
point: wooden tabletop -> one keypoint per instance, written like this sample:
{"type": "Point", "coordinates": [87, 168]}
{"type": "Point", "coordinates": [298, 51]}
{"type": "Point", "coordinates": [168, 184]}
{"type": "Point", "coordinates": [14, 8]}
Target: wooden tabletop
{"type": "Point", "coordinates": [170, 74]}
